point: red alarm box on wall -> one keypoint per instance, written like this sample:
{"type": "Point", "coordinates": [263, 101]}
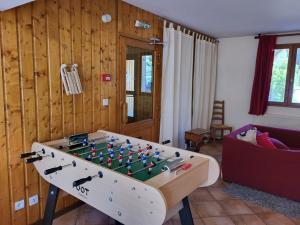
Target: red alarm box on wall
{"type": "Point", "coordinates": [106, 77]}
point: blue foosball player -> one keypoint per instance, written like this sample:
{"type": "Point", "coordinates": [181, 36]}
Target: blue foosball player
{"type": "Point", "coordinates": [101, 156]}
{"type": "Point", "coordinates": [144, 160]}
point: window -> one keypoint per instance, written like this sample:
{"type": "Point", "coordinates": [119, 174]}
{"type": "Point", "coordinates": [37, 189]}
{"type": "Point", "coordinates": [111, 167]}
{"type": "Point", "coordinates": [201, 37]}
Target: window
{"type": "Point", "coordinates": [146, 74]}
{"type": "Point", "coordinates": [285, 82]}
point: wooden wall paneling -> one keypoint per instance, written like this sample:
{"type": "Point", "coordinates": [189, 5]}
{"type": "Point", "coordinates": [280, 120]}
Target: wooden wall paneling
{"type": "Point", "coordinates": [112, 63]}
{"type": "Point", "coordinates": [65, 58]}
{"type": "Point", "coordinates": [87, 64]}
{"type": "Point", "coordinates": [5, 212]}
{"type": "Point", "coordinates": [42, 83]}
{"type": "Point", "coordinates": [55, 86]}
{"type": "Point", "coordinates": [76, 58]}
{"type": "Point", "coordinates": [96, 57]}
{"type": "Point", "coordinates": [104, 67]}
{"type": "Point", "coordinates": [13, 112]}
{"type": "Point", "coordinates": [64, 10]}
{"type": "Point", "coordinates": [24, 18]}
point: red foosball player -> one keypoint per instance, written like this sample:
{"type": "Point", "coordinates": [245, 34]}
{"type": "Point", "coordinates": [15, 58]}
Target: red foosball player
{"type": "Point", "coordinates": [140, 151]}
{"type": "Point", "coordinates": [129, 173]}
{"type": "Point", "coordinates": [120, 158]}
{"type": "Point", "coordinates": [130, 154]}
{"type": "Point", "coordinates": [109, 162]}
{"type": "Point", "coordinates": [76, 154]}
{"type": "Point", "coordinates": [152, 164]}
{"type": "Point", "coordinates": [93, 152]}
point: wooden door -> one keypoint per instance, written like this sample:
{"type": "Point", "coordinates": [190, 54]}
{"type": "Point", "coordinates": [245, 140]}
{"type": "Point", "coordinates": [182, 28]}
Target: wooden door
{"type": "Point", "coordinates": [138, 89]}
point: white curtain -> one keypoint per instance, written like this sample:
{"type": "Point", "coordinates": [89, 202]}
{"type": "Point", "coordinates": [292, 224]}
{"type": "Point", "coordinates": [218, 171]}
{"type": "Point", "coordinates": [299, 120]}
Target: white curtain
{"type": "Point", "coordinates": [176, 101]}
{"type": "Point", "coordinates": [204, 83]}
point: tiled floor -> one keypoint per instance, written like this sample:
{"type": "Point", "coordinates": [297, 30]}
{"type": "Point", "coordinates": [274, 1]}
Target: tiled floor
{"type": "Point", "coordinates": [210, 206]}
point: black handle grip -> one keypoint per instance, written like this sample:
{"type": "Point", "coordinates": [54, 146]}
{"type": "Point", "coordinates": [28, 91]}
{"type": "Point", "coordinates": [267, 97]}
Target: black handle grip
{"type": "Point", "coordinates": [81, 181]}
{"type": "Point", "coordinates": [31, 160]}
{"type": "Point", "coordinates": [166, 142]}
{"type": "Point", "coordinates": [27, 154]}
{"type": "Point", "coordinates": [52, 170]}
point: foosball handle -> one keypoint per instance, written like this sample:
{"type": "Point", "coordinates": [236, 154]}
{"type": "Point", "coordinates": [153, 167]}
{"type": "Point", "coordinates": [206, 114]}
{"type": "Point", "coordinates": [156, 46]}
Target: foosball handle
{"type": "Point", "coordinates": [27, 154]}
{"type": "Point", "coordinates": [81, 181]}
{"type": "Point", "coordinates": [31, 160]}
{"type": "Point", "coordinates": [52, 170]}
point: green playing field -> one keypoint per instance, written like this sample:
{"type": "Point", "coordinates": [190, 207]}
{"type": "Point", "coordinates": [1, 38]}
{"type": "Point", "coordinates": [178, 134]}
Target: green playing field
{"type": "Point", "coordinates": [137, 164]}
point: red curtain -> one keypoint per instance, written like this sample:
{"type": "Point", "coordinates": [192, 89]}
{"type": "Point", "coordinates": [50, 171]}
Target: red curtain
{"type": "Point", "coordinates": [263, 75]}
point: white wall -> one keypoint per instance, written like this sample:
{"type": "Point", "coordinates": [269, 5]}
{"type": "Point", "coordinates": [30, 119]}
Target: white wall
{"type": "Point", "coordinates": [236, 65]}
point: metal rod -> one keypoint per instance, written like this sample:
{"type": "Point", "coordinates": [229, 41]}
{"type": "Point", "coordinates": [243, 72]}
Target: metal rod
{"type": "Point", "coordinates": [278, 35]}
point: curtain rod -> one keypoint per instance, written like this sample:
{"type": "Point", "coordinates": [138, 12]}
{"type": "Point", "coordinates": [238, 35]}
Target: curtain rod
{"type": "Point", "coordinates": [278, 35]}
{"type": "Point", "coordinates": [188, 28]}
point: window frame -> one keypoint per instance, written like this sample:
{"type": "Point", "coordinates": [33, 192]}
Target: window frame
{"type": "Point", "coordinates": [289, 84]}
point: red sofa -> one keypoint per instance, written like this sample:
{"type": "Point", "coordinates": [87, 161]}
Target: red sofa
{"type": "Point", "coordinates": [276, 171]}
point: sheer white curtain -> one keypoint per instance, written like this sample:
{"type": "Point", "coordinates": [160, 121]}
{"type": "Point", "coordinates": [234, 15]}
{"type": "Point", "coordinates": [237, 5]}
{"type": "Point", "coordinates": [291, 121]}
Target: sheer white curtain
{"type": "Point", "coordinates": [176, 101]}
{"type": "Point", "coordinates": [204, 84]}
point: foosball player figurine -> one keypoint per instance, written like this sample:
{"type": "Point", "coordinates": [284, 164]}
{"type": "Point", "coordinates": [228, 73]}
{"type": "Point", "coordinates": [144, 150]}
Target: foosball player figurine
{"type": "Point", "coordinates": [93, 152]}
{"type": "Point", "coordinates": [122, 149]}
{"type": "Point", "coordinates": [88, 158]}
{"type": "Point", "coordinates": [110, 146]}
{"type": "Point", "coordinates": [120, 158]}
{"type": "Point", "coordinates": [101, 157]}
{"type": "Point", "coordinates": [85, 142]}
{"type": "Point", "coordinates": [129, 173]}
{"type": "Point", "coordinates": [130, 155]}
{"type": "Point", "coordinates": [109, 162]}
{"type": "Point", "coordinates": [144, 160]}
{"type": "Point", "coordinates": [112, 153]}
{"type": "Point", "coordinates": [157, 154]}
{"type": "Point", "coordinates": [129, 165]}
{"type": "Point", "coordinates": [129, 145]}
{"type": "Point", "coordinates": [140, 151]}
{"type": "Point", "coordinates": [152, 164]}
{"type": "Point", "coordinates": [93, 145]}
{"type": "Point", "coordinates": [76, 154]}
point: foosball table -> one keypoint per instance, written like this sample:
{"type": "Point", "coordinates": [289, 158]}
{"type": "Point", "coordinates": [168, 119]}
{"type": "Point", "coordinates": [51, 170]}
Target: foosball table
{"type": "Point", "coordinates": [131, 180]}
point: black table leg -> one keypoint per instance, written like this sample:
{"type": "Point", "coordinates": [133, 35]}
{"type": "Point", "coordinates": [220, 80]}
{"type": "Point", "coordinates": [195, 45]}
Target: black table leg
{"type": "Point", "coordinates": [185, 213]}
{"type": "Point", "coordinates": [118, 223]}
{"type": "Point", "coordinates": [188, 144]}
{"type": "Point", "coordinates": [51, 204]}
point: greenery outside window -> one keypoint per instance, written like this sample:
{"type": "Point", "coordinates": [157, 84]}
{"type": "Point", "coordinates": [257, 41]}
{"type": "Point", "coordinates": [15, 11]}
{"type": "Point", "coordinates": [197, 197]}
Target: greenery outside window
{"type": "Point", "coordinates": [285, 82]}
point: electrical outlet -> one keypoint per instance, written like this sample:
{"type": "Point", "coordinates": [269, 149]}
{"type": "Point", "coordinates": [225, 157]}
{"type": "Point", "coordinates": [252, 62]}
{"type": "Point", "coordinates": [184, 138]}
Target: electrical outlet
{"type": "Point", "coordinates": [19, 205]}
{"type": "Point", "coordinates": [33, 200]}
{"type": "Point", "coordinates": [105, 102]}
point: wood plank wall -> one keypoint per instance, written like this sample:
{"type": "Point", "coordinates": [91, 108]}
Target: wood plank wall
{"type": "Point", "coordinates": [35, 40]}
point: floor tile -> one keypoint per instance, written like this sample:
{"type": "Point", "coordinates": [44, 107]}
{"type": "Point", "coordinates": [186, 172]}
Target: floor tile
{"type": "Point", "coordinates": [200, 194]}
{"type": "Point", "coordinates": [275, 219]}
{"type": "Point", "coordinates": [257, 208]}
{"type": "Point", "coordinates": [247, 220]}
{"type": "Point", "coordinates": [198, 222]}
{"type": "Point", "coordinates": [218, 193]}
{"type": "Point", "coordinates": [235, 207]}
{"type": "Point", "coordinates": [210, 209]}
{"type": "Point", "coordinates": [218, 221]}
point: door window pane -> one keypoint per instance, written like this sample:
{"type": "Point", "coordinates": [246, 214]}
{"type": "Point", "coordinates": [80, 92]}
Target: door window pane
{"type": "Point", "coordinates": [139, 78]}
{"type": "Point", "coordinates": [279, 73]}
{"type": "Point", "coordinates": [296, 85]}
{"type": "Point", "coordinates": [146, 73]}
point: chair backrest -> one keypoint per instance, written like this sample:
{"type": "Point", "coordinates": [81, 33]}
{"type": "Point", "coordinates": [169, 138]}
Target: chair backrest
{"type": "Point", "coordinates": [218, 112]}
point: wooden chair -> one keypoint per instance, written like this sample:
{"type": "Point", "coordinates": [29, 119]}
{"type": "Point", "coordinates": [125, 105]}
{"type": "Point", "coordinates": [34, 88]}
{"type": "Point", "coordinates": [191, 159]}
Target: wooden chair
{"type": "Point", "coordinates": [217, 122]}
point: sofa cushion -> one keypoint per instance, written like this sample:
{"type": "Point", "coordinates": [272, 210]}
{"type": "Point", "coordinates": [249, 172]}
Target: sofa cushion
{"type": "Point", "coordinates": [264, 140]}
{"type": "Point", "coordinates": [249, 136]}
{"type": "Point", "coordinates": [279, 144]}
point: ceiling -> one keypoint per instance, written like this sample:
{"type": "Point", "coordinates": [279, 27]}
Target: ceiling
{"type": "Point", "coordinates": [8, 4]}
{"type": "Point", "coordinates": [228, 18]}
